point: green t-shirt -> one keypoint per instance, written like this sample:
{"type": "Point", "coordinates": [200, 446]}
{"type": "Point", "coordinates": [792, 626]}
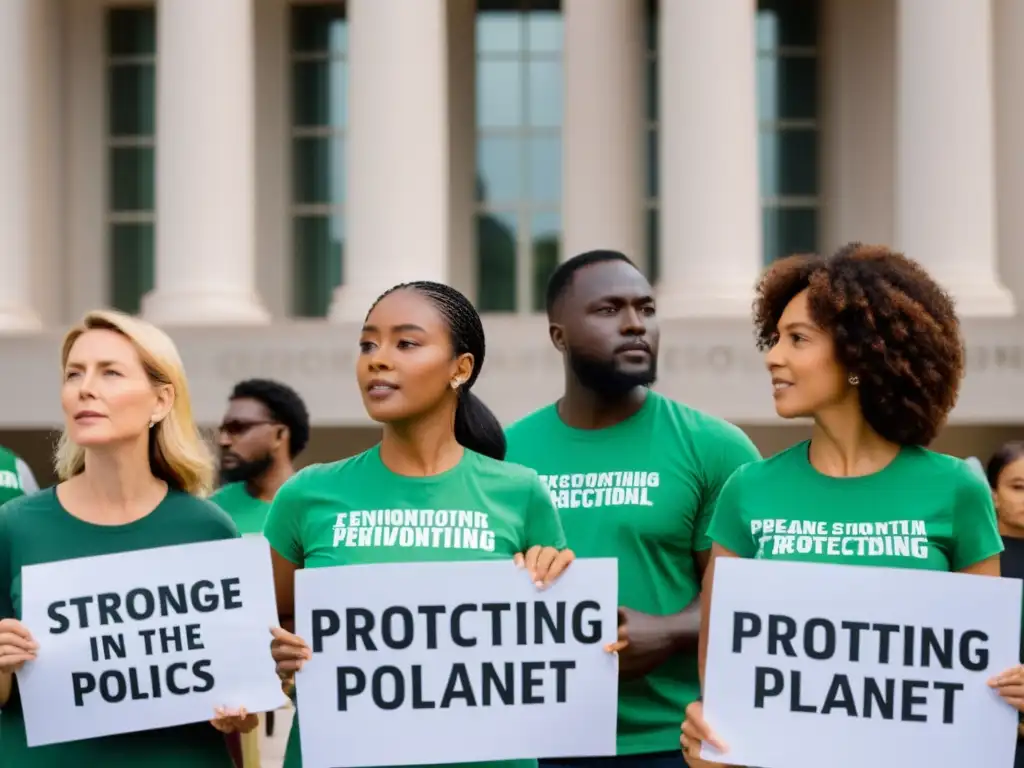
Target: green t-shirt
{"type": "Point", "coordinates": [641, 491]}
{"type": "Point", "coordinates": [357, 512]}
{"type": "Point", "coordinates": [924, 510]}
{"type": "Point", "coordinates": [11, 480]}
{"type": "Point", "coordinates": [248, 512]}
{"type": "Point", "coordinates": [37, 529]}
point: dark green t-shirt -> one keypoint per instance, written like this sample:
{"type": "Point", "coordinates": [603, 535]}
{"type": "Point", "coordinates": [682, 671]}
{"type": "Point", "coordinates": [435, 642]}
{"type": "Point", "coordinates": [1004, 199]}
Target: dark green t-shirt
{"type": "Point", "coordinates": [248, 512]}
{"type": "Point", "coordinates": [924, 510]}
{"type": "Point", "coordinates": [37, 529]}
{"type": "Point", "coordinates": [358, 512]}
{"type": "Point", "coordinates": [641, 491]}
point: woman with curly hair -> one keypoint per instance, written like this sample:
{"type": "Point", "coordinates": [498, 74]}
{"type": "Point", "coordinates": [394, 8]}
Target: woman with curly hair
{"type": "Point", "coordinates": [869, 347]}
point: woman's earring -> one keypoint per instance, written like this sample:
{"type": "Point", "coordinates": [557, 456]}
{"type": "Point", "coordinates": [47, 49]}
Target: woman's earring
{"type": "Point", "coordinates": [456, 384]}
{"type": "Point", "coordinates": [854, 381]}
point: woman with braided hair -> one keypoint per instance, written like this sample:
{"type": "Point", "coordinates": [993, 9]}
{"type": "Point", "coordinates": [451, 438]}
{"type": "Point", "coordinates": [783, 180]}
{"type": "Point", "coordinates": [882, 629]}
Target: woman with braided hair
{"type": "Point", "coordinates": [421, 351]}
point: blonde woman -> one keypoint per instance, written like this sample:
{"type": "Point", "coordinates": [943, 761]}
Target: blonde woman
{"type": "Point", "coordinates": [132, 468]}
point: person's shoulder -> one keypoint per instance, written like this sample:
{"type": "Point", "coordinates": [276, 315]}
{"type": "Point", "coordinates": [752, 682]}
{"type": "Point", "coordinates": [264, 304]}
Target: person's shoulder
{"type": "Point", "coordinates": [759, 470]}
{"type": "Point", "coordinates": [29, 505]}
{"type": "Point", "coordinates": [699, 425]}
{"type": "Point", "coordinates": [204, 516]}
{"type": "Point", "coordinates": [314, 475]}
{"type": "Point", "coordinates": [224, 492]}
{"type": "Point", "coordinates": [524, 427]}
{"type": "Point", "coordinates": [938, 467]}
{"type": "Point", "coordinates": [501, 472]}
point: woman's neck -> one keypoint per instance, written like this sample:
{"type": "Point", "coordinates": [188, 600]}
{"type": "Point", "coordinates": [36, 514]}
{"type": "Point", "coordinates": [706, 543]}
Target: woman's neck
{"type": "Point", "coordinates": [117, 486]}
{"type": "Point", "coordinates": [843, 445]}
{"type": "Point", "coordinates": [422, 449]}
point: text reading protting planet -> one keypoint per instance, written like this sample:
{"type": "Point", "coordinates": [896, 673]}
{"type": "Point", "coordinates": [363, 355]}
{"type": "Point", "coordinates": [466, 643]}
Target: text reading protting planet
{"type": "Point", "coordinates": [901, 697]}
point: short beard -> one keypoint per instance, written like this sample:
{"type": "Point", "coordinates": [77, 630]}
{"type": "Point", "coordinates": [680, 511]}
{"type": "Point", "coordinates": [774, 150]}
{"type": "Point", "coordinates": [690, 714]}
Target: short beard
{"type": "Point", "coordinates": [605, 378]}
{"type": "Point", "coordinates": [245, 471]}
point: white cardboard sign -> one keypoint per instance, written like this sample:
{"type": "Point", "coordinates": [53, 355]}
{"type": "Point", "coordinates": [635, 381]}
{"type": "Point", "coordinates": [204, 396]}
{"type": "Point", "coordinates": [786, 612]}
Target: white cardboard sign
{"type": "Point", "coordinates": [848, 666]}
{"type": "Point", "coordinates": [148, 639]}
{"type": "Point", "coordinates": [427, 663]}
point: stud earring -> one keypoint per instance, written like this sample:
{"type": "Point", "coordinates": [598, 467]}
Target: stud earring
{"type": "Point", "coordinates": [456, 384]}
{"type": "Point", "coordinates": [854, 381]}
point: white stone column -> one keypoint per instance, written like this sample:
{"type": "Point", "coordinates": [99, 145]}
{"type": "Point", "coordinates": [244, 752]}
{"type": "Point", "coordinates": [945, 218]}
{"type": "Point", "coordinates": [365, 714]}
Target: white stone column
{"type": "Point", "coordinates": [17, 313]}
{"type": "Point", "coordinates": [710, 248]}
{"type": "Point", "coordinates": [398, 161]}
{"type": "Point", "coordinates": [205, 158]}
{"type": "Point", "coordinates": [945, 158]}
{"type": "Point", "coordinates": [603, 128]}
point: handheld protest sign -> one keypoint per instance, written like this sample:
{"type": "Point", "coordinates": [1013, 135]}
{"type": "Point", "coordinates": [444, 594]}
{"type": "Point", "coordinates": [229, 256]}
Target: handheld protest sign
{"type": "Point", "coordinates": [455, 657]}
{"type": "Point", "coordinates": [148, 639]}
{"type": "Point", "coordinates": [847, 666]}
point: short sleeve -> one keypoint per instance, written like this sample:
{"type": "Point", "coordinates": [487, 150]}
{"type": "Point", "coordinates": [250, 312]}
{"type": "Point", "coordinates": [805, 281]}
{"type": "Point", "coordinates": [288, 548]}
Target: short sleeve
{"type": "Point", "coordinates": [283, 525]}
{"type": "Point", "coordinates": [25, 477]}
{"type": "Point", "coordinates": [6, 570]}
{"type": "Point", "coordinates": [975, 530]}
{"type": "Point", "coordinates": [728, 527]}
{"type": "Point", "coordinates": [733, 449]}
{"type": "Point", "coordinates": [543, 525]}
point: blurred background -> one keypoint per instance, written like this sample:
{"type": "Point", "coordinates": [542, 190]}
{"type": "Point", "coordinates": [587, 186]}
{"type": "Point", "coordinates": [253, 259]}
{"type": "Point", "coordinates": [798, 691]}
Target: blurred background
{"type": "Point", "coordinates": [251, 174]}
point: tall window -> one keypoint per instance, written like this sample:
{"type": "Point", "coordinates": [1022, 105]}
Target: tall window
{"type": "Point", "coordinates": [519, 151]}
{"type": "Point", "coordinates": [131, 149]}
{"type": "Point", "coordinates": [787, 113]}
{"type": "Point", "coordinates": [319, 66]}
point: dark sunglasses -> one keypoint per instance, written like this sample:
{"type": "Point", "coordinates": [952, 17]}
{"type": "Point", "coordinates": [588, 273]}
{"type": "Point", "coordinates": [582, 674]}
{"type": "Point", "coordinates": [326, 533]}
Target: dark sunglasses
{"type": "Point", "coordinates": [237, 427]}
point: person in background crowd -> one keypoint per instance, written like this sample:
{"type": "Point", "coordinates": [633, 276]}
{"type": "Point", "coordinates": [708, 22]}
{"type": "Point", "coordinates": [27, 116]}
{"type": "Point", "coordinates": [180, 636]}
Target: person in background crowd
{"type": "Point", "coordinates": [1005, 474]}
{"type": "Point", "coordinates": [635, 476]}
{"type": "Point", "coordinates": [131, 464]}
{"type": "Point", "coordinates": [421, 351]}
{"type": "Point", "coordinates": [869, 347]}
{"type": "Point", "coordinates": [16, 479]}
{"type": "Point", "coordinates": [265, 428]}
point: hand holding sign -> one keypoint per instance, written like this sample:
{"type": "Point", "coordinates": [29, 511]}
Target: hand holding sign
{"type": "Point", "coordinates": [16, 645]}
{"type": "Point", "coordinates": [1010, 685]}
{"type": "Point", "coordinates": [544, 564]}
{"type": "Point", "coordinates": [645, 642]}
{"type": "Point", "coordinates": [290, 652]}
{"type": "Point", "coordinates": [696, 730]}
{"type": "Point", "coordinates": [234, 721]}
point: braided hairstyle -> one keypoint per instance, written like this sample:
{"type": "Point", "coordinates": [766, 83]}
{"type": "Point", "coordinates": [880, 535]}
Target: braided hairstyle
{"type": "Point", "coordinates": [476, 426]}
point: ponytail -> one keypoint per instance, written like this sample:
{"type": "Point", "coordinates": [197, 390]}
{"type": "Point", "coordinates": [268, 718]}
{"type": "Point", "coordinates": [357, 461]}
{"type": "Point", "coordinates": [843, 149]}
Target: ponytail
{"type": "Point", "coordinates": [477, 428]}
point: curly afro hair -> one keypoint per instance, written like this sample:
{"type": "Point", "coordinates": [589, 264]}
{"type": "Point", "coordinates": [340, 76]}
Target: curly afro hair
{"type": "Point", "coordinates": [893, 327]}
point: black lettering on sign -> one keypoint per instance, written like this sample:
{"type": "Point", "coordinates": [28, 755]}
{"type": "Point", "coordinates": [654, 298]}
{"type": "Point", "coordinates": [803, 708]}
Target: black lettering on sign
{"type": "Point", "coordinates": [143, 603]}
{"type": "Point", "coordinates": [399, 627]}
{"type": "Point", "coordinates": [910, 698]}
{"type": "Point", "coordinates": [140, 683]}
{"type": "Point", "coordinates": [466, 685]}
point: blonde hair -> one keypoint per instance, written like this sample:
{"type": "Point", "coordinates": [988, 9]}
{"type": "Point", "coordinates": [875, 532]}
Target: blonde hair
{"type": "Point", "coordinates": [178, 454]}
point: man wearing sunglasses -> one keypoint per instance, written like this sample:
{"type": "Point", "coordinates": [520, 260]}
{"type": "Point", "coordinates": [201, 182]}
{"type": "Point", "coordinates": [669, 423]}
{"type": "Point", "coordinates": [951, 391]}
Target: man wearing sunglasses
{"type": "Point", "coordinates": [265, 428]}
